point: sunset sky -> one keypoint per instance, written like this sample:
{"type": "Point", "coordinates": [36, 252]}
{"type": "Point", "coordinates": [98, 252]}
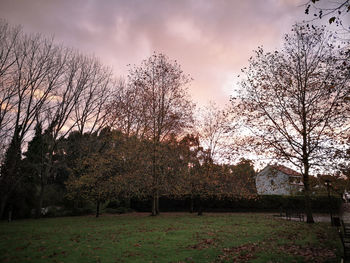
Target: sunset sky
{"type": "Point", "coordinates": [211, 39]}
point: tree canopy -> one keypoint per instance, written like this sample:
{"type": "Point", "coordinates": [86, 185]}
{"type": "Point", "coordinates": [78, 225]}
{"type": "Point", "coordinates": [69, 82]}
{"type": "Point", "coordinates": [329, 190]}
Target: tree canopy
{"type": "Point", "coordinates": [294, 102]}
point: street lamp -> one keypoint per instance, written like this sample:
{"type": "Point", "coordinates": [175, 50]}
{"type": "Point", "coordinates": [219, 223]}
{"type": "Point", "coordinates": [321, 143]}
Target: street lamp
{"type": "Point", "coordinates": [328, 185]}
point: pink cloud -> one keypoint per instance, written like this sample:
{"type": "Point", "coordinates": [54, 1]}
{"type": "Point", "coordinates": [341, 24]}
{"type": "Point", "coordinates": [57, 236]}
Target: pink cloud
{"type": "Point", "coordinates": [212, 40]}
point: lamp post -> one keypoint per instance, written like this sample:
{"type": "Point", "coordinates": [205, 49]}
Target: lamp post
{"type": "Point", "coordinates": [328, 184]}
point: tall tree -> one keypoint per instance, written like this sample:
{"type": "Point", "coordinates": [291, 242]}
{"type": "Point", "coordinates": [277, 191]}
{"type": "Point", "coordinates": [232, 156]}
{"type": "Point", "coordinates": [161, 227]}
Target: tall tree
{"type": "Point", "coordinates": [10, 171]}
{"type": "Point", "coordinates": [166, 105]}
{"type": "Point", "coordinates": [98, 175]}
{"type": "Point", "coordinates": [34, 75]}
{"type": "Point", "coordinates": [78, 103]}
{"type": "Point", "coordinates": [198, 178]}
{"type": "Point", "coordinates": [293, 104]}
{"type": "Point", "coordinates": [55, 85]}
{"type": "Point", "coordinates": [9, 36]}
{"type": "Point", "coordinates": [36, 161]}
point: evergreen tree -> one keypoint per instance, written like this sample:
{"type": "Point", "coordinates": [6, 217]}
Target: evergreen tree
{"type": "Point", "coordinates": [10, 171]}
{"type": "Point", "coordinates": [36, 162]}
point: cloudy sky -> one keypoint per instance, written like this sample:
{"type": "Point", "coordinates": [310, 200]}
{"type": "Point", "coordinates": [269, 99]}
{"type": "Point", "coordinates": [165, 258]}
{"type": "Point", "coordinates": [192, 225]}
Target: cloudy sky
{"type": "Point", "coordinates": [211, 39]}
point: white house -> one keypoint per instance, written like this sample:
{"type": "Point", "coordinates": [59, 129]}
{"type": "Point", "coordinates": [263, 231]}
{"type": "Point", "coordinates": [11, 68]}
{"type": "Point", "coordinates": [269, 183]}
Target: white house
{"type": "Point", "coordinates": [278, 180]}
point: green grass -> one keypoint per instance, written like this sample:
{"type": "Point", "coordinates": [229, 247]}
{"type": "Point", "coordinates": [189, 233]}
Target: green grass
{"type": "Point", "coordinates": [177, 237]}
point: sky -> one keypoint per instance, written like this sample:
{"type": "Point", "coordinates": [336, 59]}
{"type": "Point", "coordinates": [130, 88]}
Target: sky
{"type": "Point", "coordinates": [211, 39]}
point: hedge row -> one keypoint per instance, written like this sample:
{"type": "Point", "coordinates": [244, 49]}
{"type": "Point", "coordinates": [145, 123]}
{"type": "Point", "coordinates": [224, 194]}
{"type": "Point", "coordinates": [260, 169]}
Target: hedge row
{"type": "Point", "coordinates": [266, 203]}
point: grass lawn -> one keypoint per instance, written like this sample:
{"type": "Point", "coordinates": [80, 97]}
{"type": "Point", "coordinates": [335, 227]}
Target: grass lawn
{"type": "Point", "coordinates": [170, 237]}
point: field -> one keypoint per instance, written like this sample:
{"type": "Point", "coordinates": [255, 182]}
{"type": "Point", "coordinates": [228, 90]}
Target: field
{"type": "Point", "coordinates": [170, 237]}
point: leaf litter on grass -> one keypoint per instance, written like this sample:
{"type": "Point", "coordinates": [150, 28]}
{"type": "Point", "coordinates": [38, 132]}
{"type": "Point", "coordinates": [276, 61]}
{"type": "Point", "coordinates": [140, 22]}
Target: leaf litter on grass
{"type": "Point", "coordinates": [180, 238]}
{"type": "Point", "coordinates": [249, 251]}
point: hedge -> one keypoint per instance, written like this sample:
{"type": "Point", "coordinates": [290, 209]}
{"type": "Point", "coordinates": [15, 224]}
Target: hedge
{"type": "Point", "coordinates": [265, 203]}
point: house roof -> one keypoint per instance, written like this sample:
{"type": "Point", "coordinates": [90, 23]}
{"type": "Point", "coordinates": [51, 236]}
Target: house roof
{"type": "Point", "coordinates": [286, 170]}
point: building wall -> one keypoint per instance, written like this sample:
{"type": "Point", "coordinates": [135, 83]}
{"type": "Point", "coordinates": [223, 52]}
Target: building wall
{"type": "Point", "coordinates": [272, 182]}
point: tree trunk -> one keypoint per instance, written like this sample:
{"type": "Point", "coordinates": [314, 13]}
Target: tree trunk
{"type": "Point", "coordinates": [154, 212]}
{"type": "Point", "coordinates": [191, 204]}
{"type": "Point", "coordinates": [98, 208]}
{"type": "Point", "coordinates": [200, 208]}
{"type": "Point", "coordinates": [157, 203]}
{"type": "Point", "coordinates": [41, 199]}
{"type": "Point", "coordinates": [3, 205]}
{"type": "Point", "coordinates": [308, 209]}
{"type": "Point", "coordinates": [44, 175]}
{"type": "Point", "coordinates": [127, 202]}
{"type": "Point", "coordinates": [10, 213]}
{"type": "Point", "coordinates": [10, 170]}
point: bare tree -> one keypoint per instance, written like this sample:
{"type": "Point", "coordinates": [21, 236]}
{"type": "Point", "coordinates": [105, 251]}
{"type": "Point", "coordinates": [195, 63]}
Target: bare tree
{"type": "Point", "coordinates": [56, 115]}
{"type": "Point", "coordinates": [215, 130]}
{"type": "Point", "coordinates": [293, 104]}
{"type": "Point", "coordinates": [166, 106]}
{"type": "Point", "coordinates": [54, 86]}
{"type": "Point", "coordinates": [8, 39]}
{"type": "Point", "coordinates": [34, 74]}
{"type": "Point", "coordinates": [90, 111]}
{"type": "Point", "coordinates": [77, 103]}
